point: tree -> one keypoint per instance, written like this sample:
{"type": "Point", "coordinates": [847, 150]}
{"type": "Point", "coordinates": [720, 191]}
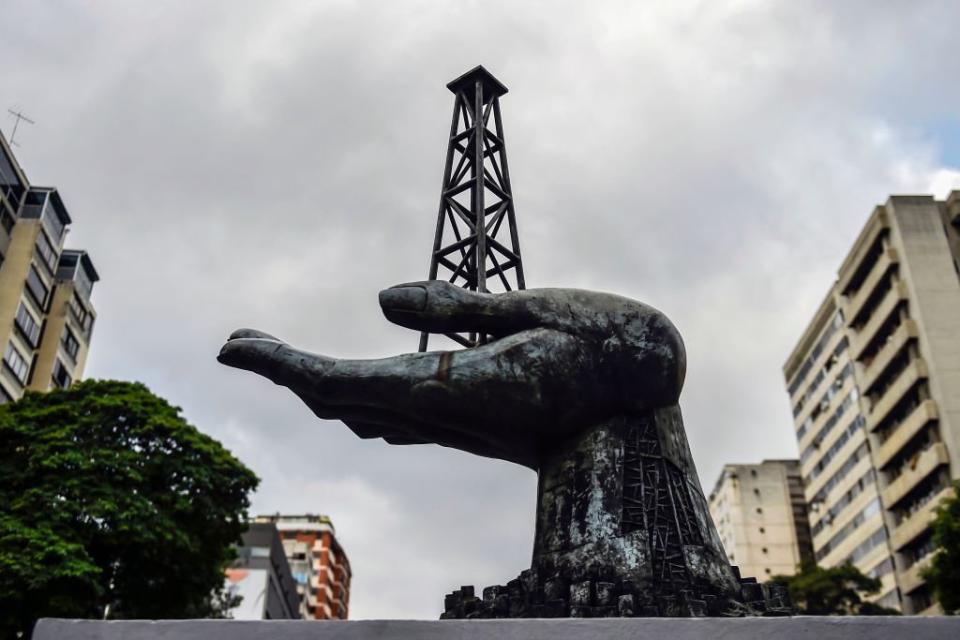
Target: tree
{"type": "Point", "coordinates": [834, 591]}
{"type": "Point", "coordinates": [943, 574]}
{"type": "Point", "coordinates": [111, 504]}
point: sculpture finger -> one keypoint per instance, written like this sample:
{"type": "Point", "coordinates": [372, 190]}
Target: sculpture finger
{"type": "Point", "coordinates": [440, 307]}
{"type": "Point", "coordinates": [271, 358]}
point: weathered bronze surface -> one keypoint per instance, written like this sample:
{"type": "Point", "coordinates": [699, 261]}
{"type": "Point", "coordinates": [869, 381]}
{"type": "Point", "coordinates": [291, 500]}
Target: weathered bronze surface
{"type": "Point", "coordinates": [583, 388]}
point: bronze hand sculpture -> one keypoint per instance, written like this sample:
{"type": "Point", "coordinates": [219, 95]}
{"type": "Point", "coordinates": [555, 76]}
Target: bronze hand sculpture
{"type": "Point", "coordinates": [583, 388]}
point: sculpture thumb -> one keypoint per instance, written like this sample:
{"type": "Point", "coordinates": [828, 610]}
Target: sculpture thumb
{"type": "Point", "coordinates": [246, 349]}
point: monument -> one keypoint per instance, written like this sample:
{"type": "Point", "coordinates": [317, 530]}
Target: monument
{"type": "Point", "coordinates": [579, 386]}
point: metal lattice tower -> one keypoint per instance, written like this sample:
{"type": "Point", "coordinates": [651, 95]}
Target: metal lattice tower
{"type": "Point", "coordinates": [476, 201]}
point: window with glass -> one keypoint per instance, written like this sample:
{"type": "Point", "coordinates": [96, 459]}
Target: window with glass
{"type": "Point", "coordinates": [16, 363]}
{"type": "Point", "coordinates": [52, 223]}
{"type": "Point", "coordinates": [83, 317]}
{"type": "Point", "coordinates": [28, 326]}
{"type": "Point", "coordinates": [46, 252]}
{"type": "Point", "coordinates": [36, 287]}
{"type": "Point", "coordinates": [70, 343]}
{"type": "Point", "coordinates": [61, 378]}
{"type": "Point", "coordinates": [11, 188]}
{"type": "Point", "coordinates": [83, 283]}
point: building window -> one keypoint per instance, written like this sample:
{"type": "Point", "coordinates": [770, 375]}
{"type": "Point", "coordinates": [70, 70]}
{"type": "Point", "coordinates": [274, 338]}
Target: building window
{"type": "Point", "coordinates": [28, 326]}
{"type": "Point", "coordinates": [764, 549]}
{"type": "Point", "coordinates": [16, 363]}
{"type": "Point", "coordinates": [70, 344]}
{"type": "Point", "coordinates": [61, 377]}
{"type": "Point", "coordinates": [83, 317]}
{"type": "Point", "coordinates": [762, 530]}
{"type": "Point", "coordinates": [48, 255]}
{"type": "Point", "coordinates": [759, 510]}
{"type": "Point", "coordinates": [37, 288]}
{"type": "Point", "coordinates": [767, 570]}
{"type": "Point", "coordinates": [4, 396]}
{"type": "Point", "coordinates": [756, 492]}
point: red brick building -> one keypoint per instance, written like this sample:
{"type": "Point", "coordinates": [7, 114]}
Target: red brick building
{"type": "Point", "coordinates": [317, 562]}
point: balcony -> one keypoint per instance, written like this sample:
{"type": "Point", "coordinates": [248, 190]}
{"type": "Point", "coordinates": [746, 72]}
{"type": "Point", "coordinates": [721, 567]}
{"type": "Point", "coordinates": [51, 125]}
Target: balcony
{"type": "Point", "coordinates": [916, 524]}
{"type": "Point", "coordinates": [854, 305]}
{"type": "Point", "coordinates": [912, 373]}
{"type": "Point", "coordinates": [905, 431]}
{"type": "Point", "coordinates": [911, 580]}
{"type": "Point", "coordinates": [883, 310]}
{"type": "Point", "coordinates": [878, 224]}
{"type": "Point", "coordinates": [904, 333]}
{"type": "Point", "coordinates": [924, 464]}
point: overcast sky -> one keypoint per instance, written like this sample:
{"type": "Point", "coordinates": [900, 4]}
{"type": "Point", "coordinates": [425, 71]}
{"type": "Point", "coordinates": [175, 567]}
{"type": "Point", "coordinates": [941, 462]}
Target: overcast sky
{"type": "Point", "coordinates": [275, 164]}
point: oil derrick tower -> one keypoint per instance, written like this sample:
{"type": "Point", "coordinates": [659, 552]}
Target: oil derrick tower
{"type": "Point", "coordinates": [476, 243]}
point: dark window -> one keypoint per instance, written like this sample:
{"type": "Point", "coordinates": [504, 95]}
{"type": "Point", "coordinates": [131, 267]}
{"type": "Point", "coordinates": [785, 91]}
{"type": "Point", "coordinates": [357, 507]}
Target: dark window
{"type": "Point", "coordinates": [83, 317]}
{"type": "Point", "coordinates": [61, 377]}
{"type": "Point", "coordinates": [70, 344]}
{"type": "Point", "coordinates": [28, 326]}
{"type": "Point", "coordinates": [16, 363]}
{"type": "Point", "coordinates": [6, 219]}
{"type": "Point", "coordinates": [759, 510]}
{"type": "Point", "coordinates": [37, 288]}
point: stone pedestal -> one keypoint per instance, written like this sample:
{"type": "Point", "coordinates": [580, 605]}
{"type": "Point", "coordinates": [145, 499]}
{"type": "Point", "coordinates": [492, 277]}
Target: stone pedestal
{"type": "Point", "coordinates": [797, 628]}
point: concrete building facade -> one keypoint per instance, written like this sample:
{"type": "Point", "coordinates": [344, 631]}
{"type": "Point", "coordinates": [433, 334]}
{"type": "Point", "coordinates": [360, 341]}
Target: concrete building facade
{"type": "Point", "coordinates": [318, 564]}
{"type": "Point", "coordinates": [46, 318]}
{"type": "Point", "coordinates": [874, 383]}
{"type": "Point", "coordinates": [761, 516]}
{"type": "Point", "coordinates": [261, 577]}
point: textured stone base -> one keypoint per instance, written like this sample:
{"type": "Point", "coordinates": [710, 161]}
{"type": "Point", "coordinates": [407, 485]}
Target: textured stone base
{"type": "Point", "coordinates": [799, 628]}
{"type": "Point", "coordinates": [531, 596]}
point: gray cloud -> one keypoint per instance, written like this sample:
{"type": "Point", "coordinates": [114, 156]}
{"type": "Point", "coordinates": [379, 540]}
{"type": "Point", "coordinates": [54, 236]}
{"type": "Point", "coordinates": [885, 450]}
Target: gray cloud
{"type": "Point", "coordinates": [275, 164]}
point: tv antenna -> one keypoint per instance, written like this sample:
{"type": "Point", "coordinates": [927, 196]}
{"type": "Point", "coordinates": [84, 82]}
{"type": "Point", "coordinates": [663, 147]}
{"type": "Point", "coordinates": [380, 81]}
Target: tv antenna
{"type": "Point", "coordinates": [19, 115]}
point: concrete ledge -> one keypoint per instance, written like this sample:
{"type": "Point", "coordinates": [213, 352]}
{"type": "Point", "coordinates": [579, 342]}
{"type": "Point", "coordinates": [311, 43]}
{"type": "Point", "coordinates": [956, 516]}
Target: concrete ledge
{"type": "Point", "coordinates": [800, 628]}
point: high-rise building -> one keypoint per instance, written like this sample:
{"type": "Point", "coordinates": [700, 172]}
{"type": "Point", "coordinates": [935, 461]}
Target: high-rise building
{"type": "Point", "coordinates": [46, 318]}
{"type": "Point", "coordinates": [874, 383]}
{"type": "Point", "coordinates": [761, 516]}
{"type": "Point", "coordinates": [261, 577]}
{"type": "Point", "coordinates": [318, 563]}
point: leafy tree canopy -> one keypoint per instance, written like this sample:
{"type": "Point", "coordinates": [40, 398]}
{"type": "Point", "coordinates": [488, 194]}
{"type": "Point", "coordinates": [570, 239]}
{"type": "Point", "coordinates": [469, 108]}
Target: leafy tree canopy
{"type": "Point", "coordinates": [943, 574]}
{"type": "Point", "coordinates": [111, 503]}
{"type": "Point", "coordinates": [834, 591]}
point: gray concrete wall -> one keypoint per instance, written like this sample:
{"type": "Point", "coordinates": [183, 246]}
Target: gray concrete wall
{"type": "Point", "coordinates": [799, 628]}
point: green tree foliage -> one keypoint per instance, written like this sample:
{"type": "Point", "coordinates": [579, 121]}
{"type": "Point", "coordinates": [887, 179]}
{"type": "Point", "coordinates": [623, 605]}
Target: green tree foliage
{"type": "Point", "coordinates": [943, 574]}
{"type": "Point", "coordinates": [111, 503]}
{"type": "Point", "coordinates": [834, 591]}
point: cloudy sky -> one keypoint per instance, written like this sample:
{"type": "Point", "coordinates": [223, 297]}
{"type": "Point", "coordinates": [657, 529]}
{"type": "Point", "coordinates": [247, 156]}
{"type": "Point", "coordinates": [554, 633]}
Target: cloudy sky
{"type": "Point", "coordinates": [275, 164]}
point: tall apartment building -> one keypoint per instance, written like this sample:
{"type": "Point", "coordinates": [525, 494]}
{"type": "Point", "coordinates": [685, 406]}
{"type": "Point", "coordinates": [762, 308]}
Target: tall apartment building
{"type": "Point", "coordinates": [318, 563]}
{"type": "Point", "coordinates": [46, 318]}
{"type": "Point", "coordinates": [761, 516]}
{"type": "Point", "coordinates": [875, 387]}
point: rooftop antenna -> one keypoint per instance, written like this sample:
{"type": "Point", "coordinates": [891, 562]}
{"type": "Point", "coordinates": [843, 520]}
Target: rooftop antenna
{"type": "Point", "coordinates": [19, 115]}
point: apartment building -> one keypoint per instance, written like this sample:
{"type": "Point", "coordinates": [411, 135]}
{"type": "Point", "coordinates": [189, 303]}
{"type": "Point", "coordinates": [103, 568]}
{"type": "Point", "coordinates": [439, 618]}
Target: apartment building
{"type": "Point", "coordinates": [318, 564]}
{"type": "Point", "coordinates": [874, 383]}
{"type": "Point", "coordinates": [261, 577]}
{"type": "Point", "coordinates": [761, 515]}
{"type": "Point", "coordinates": [46, 319]}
